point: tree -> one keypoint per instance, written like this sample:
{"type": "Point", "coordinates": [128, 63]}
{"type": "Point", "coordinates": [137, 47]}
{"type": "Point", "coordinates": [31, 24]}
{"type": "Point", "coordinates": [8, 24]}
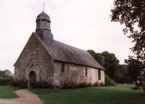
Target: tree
{"type": "Point", "coordinates": [5, 74]}
{"type": "Point", "coordinates": [111, 64]}
{"type": "Point", "coordinates": [97, 56]}
{"type": "Point", "coordinates": [6, 77]}
{"type": "Point", "coordinates": [131, 13]}
{"type": "Point", "coordinates": [134, 68]}
{"type": "Point", "coordinates": [122, 74]}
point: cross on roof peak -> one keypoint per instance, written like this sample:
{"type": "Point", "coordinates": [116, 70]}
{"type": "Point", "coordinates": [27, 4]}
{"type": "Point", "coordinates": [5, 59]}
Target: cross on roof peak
{"type": "Point", "coordinates": [43, 6]}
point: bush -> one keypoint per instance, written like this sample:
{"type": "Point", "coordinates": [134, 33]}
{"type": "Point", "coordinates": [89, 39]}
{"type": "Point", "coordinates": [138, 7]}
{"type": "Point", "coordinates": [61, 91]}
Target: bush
{"type": "Point", "coordinates": [67, 85]}
{"type": "Point", "coordinates": [109, 81]}
{"type": "Point", "coordinates": [5, 81]}
{"type": "Point", "coordinates": [22, 84]}
{"type": "Point", "coordinates": [41, 85]}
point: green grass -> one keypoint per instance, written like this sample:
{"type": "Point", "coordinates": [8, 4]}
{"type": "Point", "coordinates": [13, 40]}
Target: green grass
{"type": "Point", "coordinates": [7, 92]}
{"type": "Point", "coordinates": [120, 94]}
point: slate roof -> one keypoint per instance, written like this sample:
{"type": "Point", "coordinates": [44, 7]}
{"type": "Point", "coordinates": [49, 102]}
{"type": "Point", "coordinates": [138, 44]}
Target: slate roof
{"type": "Point", "coordinates": [43, 16]}
{"type": "Point", "coordinates": [60, 51]}
{"type": "Point", "coordinates": [69, 54]}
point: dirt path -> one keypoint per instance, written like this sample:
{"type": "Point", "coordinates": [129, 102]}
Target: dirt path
{"type": "Point", "coordinates": [24, 97]}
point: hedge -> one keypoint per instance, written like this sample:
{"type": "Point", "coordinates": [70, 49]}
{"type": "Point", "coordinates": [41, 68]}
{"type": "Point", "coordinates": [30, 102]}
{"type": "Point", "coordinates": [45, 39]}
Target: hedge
{"type": "Point", "coordinates": [5, 81]}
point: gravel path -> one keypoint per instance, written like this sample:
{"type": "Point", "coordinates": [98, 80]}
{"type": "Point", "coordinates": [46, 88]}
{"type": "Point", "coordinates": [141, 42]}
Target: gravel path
{"type": "Point", "coordinates": [24, 97]}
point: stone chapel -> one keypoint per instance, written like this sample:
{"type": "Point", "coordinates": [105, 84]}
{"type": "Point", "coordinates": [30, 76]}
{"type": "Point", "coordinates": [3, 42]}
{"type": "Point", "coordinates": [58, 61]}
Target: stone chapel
{"type": "Point", "coordinates": [46, 60]}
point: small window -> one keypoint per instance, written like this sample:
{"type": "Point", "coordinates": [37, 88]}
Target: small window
{"type": "Point", "coordinates": [99, 74]}
{"type": "Point", "coordinates": [32, 65]}
{"type": "Point", "coordinates": [86, 72]}
{"type": "Point", "coordinates": [62, 68]}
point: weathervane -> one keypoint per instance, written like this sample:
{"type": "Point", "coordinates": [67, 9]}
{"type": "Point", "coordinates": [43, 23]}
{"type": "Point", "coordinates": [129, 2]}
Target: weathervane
{"type": "Point", "coordinates": [43, 6]}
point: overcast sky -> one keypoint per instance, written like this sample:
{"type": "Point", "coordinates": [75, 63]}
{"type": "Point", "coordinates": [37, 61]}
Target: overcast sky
{"type": "Point", "coordinates": [81, 23]}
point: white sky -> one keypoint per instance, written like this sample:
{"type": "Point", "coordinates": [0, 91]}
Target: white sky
{"type": "Point", "coordinates": [81, 23]}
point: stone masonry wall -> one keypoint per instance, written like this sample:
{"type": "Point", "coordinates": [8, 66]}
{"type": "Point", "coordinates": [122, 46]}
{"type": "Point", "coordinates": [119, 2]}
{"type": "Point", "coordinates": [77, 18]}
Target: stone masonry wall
{"type": "Point", "coordinates": [75, 74]}
{"type": "Point", "coordinates": [34, 58]}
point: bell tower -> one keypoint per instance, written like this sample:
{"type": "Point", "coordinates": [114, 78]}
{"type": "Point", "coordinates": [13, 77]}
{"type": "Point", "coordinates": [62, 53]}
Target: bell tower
{"type": "Point", "coordinates": [43, 29]}
{"type": "Point", "coordinates": [43, 22]}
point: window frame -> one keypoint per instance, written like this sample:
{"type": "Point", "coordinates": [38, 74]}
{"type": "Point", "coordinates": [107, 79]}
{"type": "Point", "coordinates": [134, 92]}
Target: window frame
{"type": "Point", "coordinates": [62, 68]}
{"type": "Point", "coordinates": [99, 74]}
{"type": "Point", "coordinates": [86, 72]}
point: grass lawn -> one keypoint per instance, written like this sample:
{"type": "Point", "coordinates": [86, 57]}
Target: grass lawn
{"type": "Point", "coordinates": [7, 92]}
{"type": "Point", "coordinates": [120, 94]}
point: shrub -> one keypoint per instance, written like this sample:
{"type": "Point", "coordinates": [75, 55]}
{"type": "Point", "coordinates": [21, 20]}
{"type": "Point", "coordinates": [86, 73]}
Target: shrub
{"type": "Point", "coordinates": [41, 85]}
{"type": "Point", "coordinates": [20, 83]}
{"type": "Point", "coordinates": [24, 84]}
{"type": "Point", "coordinates": [67, 85]}
{"type": "Point", "coordinates": [109, 81]}
{"type": "Point", "coordinates": [5, 81]}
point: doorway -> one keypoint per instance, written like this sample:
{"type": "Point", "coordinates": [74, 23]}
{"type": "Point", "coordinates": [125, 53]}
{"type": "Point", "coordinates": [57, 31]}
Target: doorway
{"type": "Point", "coordinates": [32, 79]}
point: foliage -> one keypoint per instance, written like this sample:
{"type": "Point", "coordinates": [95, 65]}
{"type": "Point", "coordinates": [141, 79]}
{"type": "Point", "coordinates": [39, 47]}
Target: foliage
{"type": "Point", "coordinates": [121, 94]}
{"type": "Point", "coordinates": [41, 85]}
{"type": "Point", "coordinates": [80, 85]}
{"type": "Point", "coordinates": [5, 81]}
{"type": "Point", "coordinates": [97, 56]}
{"type": "Point", "coordinates": [109, 81]}
{"type": "Point", "coordinates": [111, 64]}
{"type": "Point", "coordinates": [134, 68]}
{"type": "Point", "coordinates": [131, 13]}
{"type": "Point", "coordinates": [66, 85]}
{"type": "Point", "coordinates": [5, 77]}
{"type": "Point", "coordinates": [7, 92]}
{"type": "Point", "coordinates": [123, 74]}
{"type": "Point", "coordinates": [20, 83]}
{"type": "Point", "coordinates": [6, 74]}
{"type": "Point", "coordinates": [24, 84]}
